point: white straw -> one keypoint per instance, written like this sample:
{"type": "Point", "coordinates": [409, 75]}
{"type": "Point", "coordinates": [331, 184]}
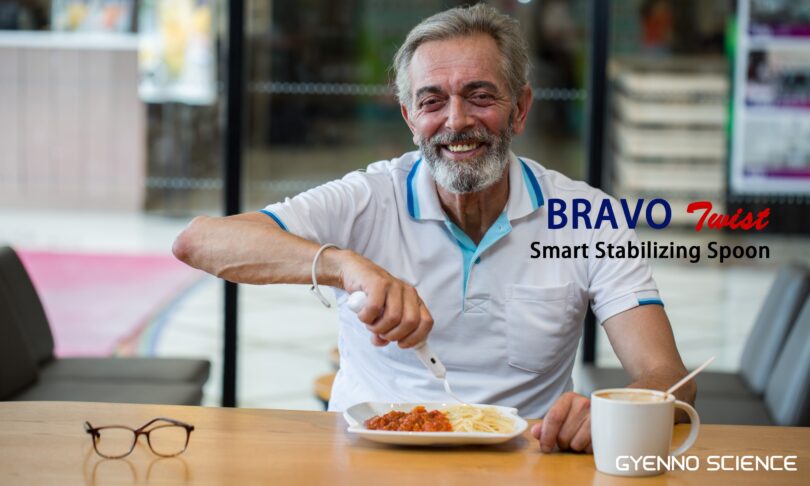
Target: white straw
{"type": "Point", "coordinates": [690, 376]}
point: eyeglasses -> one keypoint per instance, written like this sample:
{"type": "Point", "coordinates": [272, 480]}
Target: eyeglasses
{"type": "Point", "coordinates": [166, 438]}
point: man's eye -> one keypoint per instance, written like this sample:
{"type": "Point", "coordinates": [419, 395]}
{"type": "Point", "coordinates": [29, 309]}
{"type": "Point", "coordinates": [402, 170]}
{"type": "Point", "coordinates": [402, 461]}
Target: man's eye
{"type": "Point", "coordinates": [430, 103]}
{"type": "Point", "coordinates": [482, 97]}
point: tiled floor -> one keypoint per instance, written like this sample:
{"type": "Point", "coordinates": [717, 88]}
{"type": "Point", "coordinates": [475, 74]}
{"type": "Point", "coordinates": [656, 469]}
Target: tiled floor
{"type": "Point", "coordinates": [286, 335]}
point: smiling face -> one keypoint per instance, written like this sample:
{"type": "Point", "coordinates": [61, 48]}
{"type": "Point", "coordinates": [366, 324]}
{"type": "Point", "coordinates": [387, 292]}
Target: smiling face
{"type": "Point", "coordinates": [463, 115]}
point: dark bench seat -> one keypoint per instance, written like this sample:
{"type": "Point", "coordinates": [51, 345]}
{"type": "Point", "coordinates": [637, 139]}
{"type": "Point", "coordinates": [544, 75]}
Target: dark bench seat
{"type": "Point", "coordinates": [30, 371]}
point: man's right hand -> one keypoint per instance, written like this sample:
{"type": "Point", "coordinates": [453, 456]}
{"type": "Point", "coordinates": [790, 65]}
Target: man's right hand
{"type": "Point", "coordinates": [393, 310]}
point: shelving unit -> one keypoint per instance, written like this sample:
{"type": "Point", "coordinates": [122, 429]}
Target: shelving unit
{"type": "Point", "coordinates": [668, 136]}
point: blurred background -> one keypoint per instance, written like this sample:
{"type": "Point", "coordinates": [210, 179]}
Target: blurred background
{"type": "Point", "coordinates": [111, 140]}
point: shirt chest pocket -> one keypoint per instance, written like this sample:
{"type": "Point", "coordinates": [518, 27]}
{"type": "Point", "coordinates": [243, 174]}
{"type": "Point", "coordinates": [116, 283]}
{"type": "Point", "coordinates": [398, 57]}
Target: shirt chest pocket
{"type": "Point", "coordinates": [541, 330]}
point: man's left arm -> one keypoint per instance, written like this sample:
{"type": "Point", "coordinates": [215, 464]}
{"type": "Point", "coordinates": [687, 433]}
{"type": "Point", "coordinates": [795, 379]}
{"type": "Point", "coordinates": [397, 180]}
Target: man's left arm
{"type": "Point", "coordinates": [642, 339]}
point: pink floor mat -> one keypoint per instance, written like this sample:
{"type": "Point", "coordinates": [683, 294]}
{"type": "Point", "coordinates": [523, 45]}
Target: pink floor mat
{"type": "Point", "coordinates": [97, 303]}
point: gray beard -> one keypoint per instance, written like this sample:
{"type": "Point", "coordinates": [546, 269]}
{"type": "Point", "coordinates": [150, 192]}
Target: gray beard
{"type": "Point", "coordinates": [472, 175]}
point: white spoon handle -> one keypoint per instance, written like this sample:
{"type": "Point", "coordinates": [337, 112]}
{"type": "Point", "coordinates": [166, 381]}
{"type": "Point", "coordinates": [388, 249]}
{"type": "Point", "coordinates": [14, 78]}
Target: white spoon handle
{"type": "Point", "coordinates": [356, 302]}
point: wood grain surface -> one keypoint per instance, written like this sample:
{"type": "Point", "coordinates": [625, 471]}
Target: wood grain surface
{"type": "Point", "coordinates": [44, 443]}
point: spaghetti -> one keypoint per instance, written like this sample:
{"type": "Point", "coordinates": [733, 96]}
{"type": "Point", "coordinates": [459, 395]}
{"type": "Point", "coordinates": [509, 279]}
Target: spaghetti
{"type": "Point", "coordinates": [459, 418]}
{"type": "Point", "coordinates": [467, 418]}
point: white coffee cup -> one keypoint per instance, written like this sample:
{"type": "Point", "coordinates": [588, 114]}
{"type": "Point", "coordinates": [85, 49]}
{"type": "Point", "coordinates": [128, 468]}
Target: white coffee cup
{"type": "Point", "coordinates": [632, 428]}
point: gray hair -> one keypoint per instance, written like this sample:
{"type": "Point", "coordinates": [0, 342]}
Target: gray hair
{"type": "Point", "coordinates": [462, 22]}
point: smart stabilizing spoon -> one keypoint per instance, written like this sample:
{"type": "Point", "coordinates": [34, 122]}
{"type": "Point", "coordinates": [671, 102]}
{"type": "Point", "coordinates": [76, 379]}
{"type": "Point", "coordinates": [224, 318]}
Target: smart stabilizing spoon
{"type": "Point", "coordinates": [356, 302]}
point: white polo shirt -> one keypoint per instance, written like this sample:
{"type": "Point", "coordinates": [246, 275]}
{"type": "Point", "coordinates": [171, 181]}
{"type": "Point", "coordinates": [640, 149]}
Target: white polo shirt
{"type": "Point", "coordinates": [506, 326]}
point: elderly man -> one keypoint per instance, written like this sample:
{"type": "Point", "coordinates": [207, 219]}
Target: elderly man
{"type": "Point", "coordinates": [440, 238]}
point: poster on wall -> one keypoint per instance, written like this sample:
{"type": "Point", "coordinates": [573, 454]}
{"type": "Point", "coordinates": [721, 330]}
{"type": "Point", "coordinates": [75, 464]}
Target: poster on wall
{"type": "Point", "coordinates": [92, 15]}
{"type": "Point", "coordinates": [770, 151]}
{"type": "Point", "coordinates": [176, 51]}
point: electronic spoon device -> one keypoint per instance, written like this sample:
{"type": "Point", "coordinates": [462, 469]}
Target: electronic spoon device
{"type": "Point", "coordinates": [356, 302]}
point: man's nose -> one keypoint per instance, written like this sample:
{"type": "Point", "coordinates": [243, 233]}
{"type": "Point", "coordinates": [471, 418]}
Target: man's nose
{"type": "Point", "coordinates": [457, 117]}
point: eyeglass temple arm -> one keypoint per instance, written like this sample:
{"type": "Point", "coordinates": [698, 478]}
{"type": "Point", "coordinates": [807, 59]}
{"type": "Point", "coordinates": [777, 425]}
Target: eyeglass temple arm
{"type": "Point", "coordinates": [171, 421]}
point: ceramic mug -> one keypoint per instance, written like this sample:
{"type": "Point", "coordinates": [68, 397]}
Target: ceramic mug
{"type": "Point", "coordinates": [631, 430]}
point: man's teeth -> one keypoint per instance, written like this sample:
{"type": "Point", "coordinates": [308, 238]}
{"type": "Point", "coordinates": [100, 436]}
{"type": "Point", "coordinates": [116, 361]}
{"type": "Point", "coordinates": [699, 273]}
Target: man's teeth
{"type": "Point", "coordinates": [463, 148]}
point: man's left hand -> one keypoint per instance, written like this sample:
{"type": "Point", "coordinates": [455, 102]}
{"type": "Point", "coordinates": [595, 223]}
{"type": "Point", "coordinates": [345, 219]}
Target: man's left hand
{"type": "Point", "coordinates": [567, 425]}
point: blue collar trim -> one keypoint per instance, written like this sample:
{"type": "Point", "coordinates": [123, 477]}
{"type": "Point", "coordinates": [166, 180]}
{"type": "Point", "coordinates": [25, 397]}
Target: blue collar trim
{"type": "Point", "coordinates": [413, 202]}
{"type": "Point", "coordinates": [532, 185]}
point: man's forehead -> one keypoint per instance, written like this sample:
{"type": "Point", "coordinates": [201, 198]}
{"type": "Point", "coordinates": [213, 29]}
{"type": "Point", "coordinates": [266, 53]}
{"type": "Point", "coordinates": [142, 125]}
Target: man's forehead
{"type": "Point", "coordinates": [459, 60]}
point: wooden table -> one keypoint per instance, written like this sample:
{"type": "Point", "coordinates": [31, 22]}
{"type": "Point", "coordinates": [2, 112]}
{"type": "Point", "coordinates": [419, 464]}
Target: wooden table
{"type": "Point", "coordinates": [44, 443]}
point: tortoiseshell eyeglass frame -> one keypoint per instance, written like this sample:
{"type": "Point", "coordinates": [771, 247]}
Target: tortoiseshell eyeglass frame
{"type": "Point", "coordinates": [95, 434]}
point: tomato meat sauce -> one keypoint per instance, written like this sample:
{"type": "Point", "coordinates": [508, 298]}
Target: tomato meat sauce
{"type": "Point", "coordinates": [417, 420]}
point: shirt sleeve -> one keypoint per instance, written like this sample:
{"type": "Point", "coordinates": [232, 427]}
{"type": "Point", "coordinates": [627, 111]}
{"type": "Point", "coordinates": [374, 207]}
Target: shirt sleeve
{"type": "Point", "coordinates": [618, 284]}
{"type": "Point", "coordinates": [335, 212]}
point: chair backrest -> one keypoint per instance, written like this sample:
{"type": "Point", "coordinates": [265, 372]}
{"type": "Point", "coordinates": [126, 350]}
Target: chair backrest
{"type": "Point", "coordinates": [26, 308]}
{"type": "Point", "coordinates": [773, 324]}
{"type": "Point", "coordinates": [788, 393]}
{"type": "Point", "coordinates": [18, 368]}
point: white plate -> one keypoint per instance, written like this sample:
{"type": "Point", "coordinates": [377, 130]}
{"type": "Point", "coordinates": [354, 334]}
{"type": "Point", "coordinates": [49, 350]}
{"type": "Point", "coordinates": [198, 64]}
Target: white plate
{"type": "Point", "coordinates": [356, 416]}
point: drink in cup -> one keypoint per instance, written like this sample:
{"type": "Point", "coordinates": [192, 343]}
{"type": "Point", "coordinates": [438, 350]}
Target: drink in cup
{"type": "Point", "coordinates": [629, 425]}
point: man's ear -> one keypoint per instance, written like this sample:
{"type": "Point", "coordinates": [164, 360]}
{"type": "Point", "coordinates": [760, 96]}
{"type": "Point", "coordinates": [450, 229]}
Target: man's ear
{"type": "Point", "coordinates": [524, 104]}
{"type": "Point", "coordinates": [404, 110]}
